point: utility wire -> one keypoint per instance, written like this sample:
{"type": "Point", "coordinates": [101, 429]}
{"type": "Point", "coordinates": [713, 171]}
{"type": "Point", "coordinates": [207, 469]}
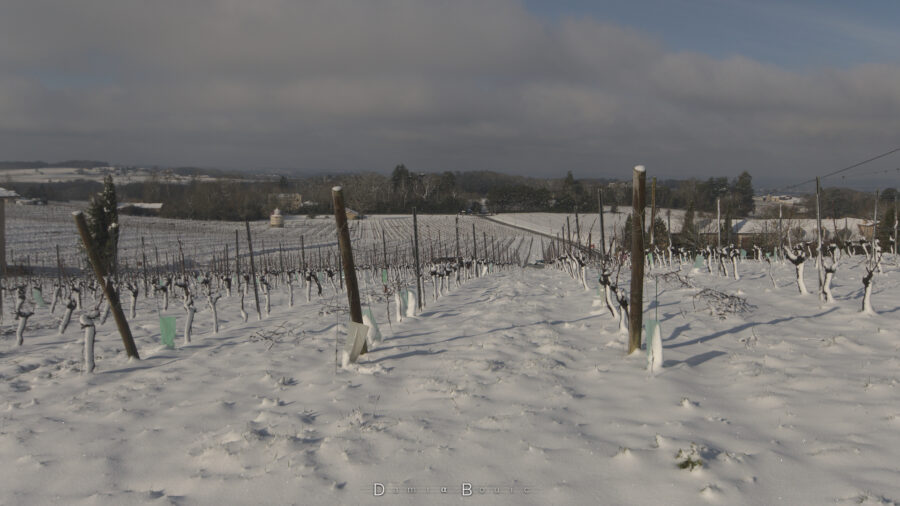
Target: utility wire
{"type": "Point", "coordinates": [845, 169]}
{"type": "Point", "coordinates": [873, 173]}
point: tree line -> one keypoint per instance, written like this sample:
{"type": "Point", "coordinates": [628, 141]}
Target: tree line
{"type": "Point", "coordinates": [372, 193]}
{"type": "Point", "coordinates": [235, 198]}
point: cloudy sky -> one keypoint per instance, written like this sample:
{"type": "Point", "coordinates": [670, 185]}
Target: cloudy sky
{"type": "Point", "coordinates": [785, 90]}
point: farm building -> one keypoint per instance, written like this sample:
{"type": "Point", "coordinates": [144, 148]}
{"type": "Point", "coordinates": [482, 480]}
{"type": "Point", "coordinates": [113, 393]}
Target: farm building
{"type": "Point", "coordinates": [866, 229]}
{"type": "Point", "coordinates": [290, 202]}
{"type": "Point", "coordinates": [756, 231]}
{"type": "Point", "coordinates": [276, 220]}
{"type": "Point", "coordinates": [4, 196]}
{"type": "Point", "coordinates": [141, 208]}
{"type": "Point", "coordinates": [31, 202]}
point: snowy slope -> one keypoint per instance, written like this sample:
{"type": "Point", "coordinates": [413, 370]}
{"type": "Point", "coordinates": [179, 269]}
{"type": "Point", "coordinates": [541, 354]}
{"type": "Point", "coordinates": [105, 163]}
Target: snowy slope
{"type": "Point", "coordinates": [516, 380]}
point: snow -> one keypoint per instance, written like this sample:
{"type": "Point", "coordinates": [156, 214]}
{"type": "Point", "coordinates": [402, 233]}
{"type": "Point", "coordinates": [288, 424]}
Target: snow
{"type": "Point", "coordinates": [513, 381]}
{"type": "Point", "coordinates": [5, 194]}
{"type": "Point", "coordinates": [151, 206]}
{"type": "Point", "coordinates": [35, 232]}
{"type": "Point", "coordinates": [769, 226]}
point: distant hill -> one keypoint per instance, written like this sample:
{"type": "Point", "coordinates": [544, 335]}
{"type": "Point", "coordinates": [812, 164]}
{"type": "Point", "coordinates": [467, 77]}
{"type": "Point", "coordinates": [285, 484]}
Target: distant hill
{"type": "Point", "coordinates": [78, 164]}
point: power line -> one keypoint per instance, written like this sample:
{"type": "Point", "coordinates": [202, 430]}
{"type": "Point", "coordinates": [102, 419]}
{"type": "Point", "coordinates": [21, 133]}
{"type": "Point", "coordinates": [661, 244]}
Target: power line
{"type": "Point", "coordinates": [875, 172]}
{"type": "Point", "coordinates": [845, 169]}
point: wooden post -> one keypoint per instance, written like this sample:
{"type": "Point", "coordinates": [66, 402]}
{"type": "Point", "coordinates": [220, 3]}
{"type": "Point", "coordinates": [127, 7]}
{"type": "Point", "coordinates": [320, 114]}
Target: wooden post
{"type": "Point", "coordinates": [474, 250]}
{"type": "Point", "coordinates": [418, 270]}
{"type": "Point", "coordinates": [343, 233]}
{"type": "Point", "coordinates": [875, 225]}
{"type": "Point", "coordinates": [895, 226]}
{"type": "Point", "coordinates": [718, 223]}
{"type": "Point", "coordinates": [111, 296]}
{"type": "Point", "coordinates": [237, 262]}
{"type": "Point", "coordinates": [780, 230]}
{"type": "Point", "coordinates": [652, 211]}
{"type": "Point", "coordinates": [458, 257]}
{"type": "Point", "coordinates": [253, 270]}
{"type": "Point", "coordinates": [669, 227]}
{"type": "Point", "coordinates": [2, 239]}
{"type": "Point", "coordinates": [636, 307]}
{"type": "Point", "coordinates": [384, 249]}
{"type": "Point", "coordinates": [602, 230]}
{"type": "Point", "coordinates": [59, 271]}
{"type": "Point", "coordinates": [819, 263]}
{"type": "Point", "coordinates": [577, 230]}
{"type": "Point", "coordinates": [143, 264]}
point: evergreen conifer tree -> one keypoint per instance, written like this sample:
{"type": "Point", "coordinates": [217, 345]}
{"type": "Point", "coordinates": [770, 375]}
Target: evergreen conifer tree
{"type": "Point", "coordinates": [103, 224]}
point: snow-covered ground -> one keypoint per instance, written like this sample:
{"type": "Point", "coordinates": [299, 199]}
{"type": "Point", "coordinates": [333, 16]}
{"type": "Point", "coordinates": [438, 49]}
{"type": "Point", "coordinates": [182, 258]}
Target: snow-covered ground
{"type": "Point", "coordinates": [516, 383]}
{"type": "Point", "coordinates": [588, 225]}
{"type": "Point", "coordinates": [33, 232]}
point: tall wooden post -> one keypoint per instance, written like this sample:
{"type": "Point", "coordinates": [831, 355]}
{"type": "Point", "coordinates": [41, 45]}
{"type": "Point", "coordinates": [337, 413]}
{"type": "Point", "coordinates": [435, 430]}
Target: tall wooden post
{"type": "Point", "coordinates": [2, 251]}
{"type": "Point", "coordinates": [602, 229]}
{"type": "Point", "coordinates": [819, 264]}
{"type": "Point", "coordinates": [253, 271]}
{"type": "Point", "coordinates": [418, 270]}
{"type": "Point", "coordinates": [652, 211]}
{"type": "Point", "coordinates": [577, 229]}
{"type": "Point", "coordinates": [718, 223]}
{"type": "Point", "coordinates": [343, 233]}
{"type": "Point", "coordinates": [237, 261]}
{"type": "Point", "coordinates": [669, 227]}
{"type": "Point", "coordinates": [458, 257]}
{"type": "Point", "coordinates": [636, 307]}
{"type": "Point", "coordinates": [384, 249]}
{"type": "Point", "coordinates": [780, 231]}
{"type": "Point", "coordinates": [895, 226]}
{"type": "Point", "coordinates": [875, 225]}
{"type": "Point", "coordinates": [474, 251]}
{"type": "Point", "coordinates": [111, 295]}
{"type": "Point", "coordinates": [2, 239]}
{"type": "Point", "coordinates": [302, 255]}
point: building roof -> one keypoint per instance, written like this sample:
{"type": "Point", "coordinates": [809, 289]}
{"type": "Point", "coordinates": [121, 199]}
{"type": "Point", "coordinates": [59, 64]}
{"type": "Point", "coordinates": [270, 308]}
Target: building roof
{"type": "Point", "coordinates": [761, 226]}
{"type": "Point", "coordinates": [7, 194]}
{"type": "Point", "coordinates": [142, 205]}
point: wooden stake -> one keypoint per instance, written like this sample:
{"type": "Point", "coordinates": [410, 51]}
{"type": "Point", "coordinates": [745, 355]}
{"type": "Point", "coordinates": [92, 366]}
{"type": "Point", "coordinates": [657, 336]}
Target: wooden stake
{"type": "Point", "coordinates": [718, 223]}
{"type": "Point", "coordinates": [636, 307]}
{"type": "Point", "coordinates": [875, 225]}
{"type": "Point", "coordinates": [111, 295]}
{"type": "Point", "coordinates": [237, 261]}
{"type": "Point", "coordinates": [602, 229]}
{"type": "Point", "coordinates": [418, 270]}
{"type": "Point", "coordinates": [253, 270]}
{"type": "Point", "coordinates": [343, 233]}
{"type": "Point", "coordinates": [458, 257]}
{"type": "Point", "coordinates": [474, 251]}
{"type": "Point", "coordinates": [577, 229]}
{"type": "Point", "coordinates": [652, 211]}
{"type": "Point", "coordinates": [819, 264]}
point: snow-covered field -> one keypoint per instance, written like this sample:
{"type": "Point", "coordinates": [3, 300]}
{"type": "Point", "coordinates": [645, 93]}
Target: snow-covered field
{"type": "Point", "coordinates": [516, 383]}
{"type": "Point", "coordinates": [588, 225]}
{"type": "Point", "coordinates": [33, 232]}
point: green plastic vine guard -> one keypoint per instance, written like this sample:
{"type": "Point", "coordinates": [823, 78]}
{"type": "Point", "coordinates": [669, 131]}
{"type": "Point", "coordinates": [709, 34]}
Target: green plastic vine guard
{"type": "Point", "coordinates": [167, 331]}
{"type": "Point", "coordinates": [38, 298]}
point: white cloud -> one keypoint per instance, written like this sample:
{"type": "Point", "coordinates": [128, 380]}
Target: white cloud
{"type": "Point", "coordinates": [346, 85]}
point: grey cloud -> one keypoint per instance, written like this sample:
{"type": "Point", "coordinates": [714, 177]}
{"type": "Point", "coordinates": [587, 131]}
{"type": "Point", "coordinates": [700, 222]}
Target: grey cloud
{"type": "Point", "coordinates": [339, 85]}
